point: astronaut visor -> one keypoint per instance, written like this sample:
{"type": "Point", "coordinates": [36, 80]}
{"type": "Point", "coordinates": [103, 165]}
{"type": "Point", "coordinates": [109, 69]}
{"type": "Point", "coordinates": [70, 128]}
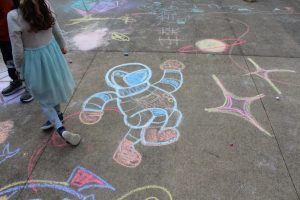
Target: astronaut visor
{"type": "Point", "coordinates": [128, 75]}
{"type": "Point", "coordinates": [136, 78]}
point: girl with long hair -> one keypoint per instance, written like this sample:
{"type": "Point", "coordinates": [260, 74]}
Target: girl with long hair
{"type": "Point", "coordinates": [38, 57]}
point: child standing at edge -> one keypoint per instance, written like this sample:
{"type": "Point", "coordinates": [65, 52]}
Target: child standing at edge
{"type": "Point", "coordinates": [40, 60]}
{"type": "Point", "coordinates": [5, 46]}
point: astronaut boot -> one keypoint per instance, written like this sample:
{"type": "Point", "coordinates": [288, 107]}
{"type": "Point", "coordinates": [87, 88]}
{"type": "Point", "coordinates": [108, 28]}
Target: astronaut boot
{"type": "Point", "coordinates": [127, 155]}
{"type": "Point", "coordinates": [156, 137]}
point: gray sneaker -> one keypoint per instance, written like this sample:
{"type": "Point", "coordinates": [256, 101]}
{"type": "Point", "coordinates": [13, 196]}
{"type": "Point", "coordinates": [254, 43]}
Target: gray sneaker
{"type": "Point", "coordinates": [26, 97]}
{"type": "Point", "coordinates": [13, 87]}
{"type": "Point", "coordinates": [71, 138]}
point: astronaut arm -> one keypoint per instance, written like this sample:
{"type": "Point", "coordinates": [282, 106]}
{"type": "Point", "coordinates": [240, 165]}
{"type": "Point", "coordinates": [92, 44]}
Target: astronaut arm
{"type": "Point", "coordinates": [172, 78]}
{"type": "Point", "coordinates": [171, 81]}
{"type": "Point", "coordinates": [93, 107]}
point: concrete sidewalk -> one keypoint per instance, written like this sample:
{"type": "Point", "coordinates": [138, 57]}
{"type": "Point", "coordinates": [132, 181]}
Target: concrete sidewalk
{"type": "Point", "coordinates": [229, 129]}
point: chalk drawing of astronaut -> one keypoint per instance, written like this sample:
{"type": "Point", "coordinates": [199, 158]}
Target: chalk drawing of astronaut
{"type": "Point", "coordinates": [149, 110]}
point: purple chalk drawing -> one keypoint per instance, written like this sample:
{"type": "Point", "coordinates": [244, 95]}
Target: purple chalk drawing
{"type": "Point", "coordinates": [85, 8]}
{"type": "Point", "coordinates": [6, 153]}
{"type": "Point", "coordinates": [238, 106]}
{"type": "Point", "coordinates": [264, 74]}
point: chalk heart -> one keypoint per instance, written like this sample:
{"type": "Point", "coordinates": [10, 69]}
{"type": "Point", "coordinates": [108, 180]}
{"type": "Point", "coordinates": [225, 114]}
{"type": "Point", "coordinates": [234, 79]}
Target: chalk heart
{"type": "Point", "coordinates": [90, 117]}
{"type": "Point", "coordinates": [127, 155]}
{"type": "Point", "coordinates": [5, 128]}
{"type": "Point", "coordinates": [172, 64]}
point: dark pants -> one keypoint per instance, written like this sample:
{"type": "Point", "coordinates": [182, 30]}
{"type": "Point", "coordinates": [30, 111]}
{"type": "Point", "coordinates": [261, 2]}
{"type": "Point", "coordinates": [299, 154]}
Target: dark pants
{"type": "Point", "coordinates": [8, 59]}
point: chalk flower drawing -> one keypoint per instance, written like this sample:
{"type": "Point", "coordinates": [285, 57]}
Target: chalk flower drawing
{"type": "Point", "coordinates": [149, 110]}
{"type": "Point", "coordinates": [238, 106]}
{"type": "Point", "coordinates": [264, 74]}
{"type": "Point", "coordinates": [6, 153]}
{"type": "Point", "coordinates": [80, 179]}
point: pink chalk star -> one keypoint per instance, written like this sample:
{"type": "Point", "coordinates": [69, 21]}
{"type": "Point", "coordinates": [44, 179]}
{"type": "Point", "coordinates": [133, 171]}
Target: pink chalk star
{"type": "Point", "coordinates": [264, 74]}
{"type": "Point", "coordinates": [238, 106]}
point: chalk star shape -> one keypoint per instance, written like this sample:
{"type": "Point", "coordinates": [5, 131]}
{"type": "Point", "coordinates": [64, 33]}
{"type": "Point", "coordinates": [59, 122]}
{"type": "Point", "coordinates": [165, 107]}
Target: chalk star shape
{"type": "Point", "coordinates": [238, 106]}
{"type": "Point", "coordinates": [264, 74]}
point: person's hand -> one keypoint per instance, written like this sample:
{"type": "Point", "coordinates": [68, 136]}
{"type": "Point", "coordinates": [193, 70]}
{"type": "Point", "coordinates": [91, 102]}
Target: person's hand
{"type": "Point", "coordinates": [64, 50]}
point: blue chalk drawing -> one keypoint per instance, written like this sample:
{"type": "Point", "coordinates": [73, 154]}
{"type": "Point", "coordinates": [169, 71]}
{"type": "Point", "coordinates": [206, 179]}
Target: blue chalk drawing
{"type": "Point", "coordinates": [6, 153]}
{"type": "Point", "coordinates": [80, 179]}
{"type": "Point", "coordinates": [149, 109]}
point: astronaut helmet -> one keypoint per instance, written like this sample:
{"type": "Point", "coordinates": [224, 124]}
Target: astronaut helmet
{"type": "Point", "coordinates": [128, 75]}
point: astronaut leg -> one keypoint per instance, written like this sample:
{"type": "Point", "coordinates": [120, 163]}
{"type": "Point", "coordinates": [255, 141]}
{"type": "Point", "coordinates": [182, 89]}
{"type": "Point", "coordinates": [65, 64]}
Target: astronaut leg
{"type": "Point", "coordinates": [126, 154]}
{"type": "Point", "coordinates": [162, 132]}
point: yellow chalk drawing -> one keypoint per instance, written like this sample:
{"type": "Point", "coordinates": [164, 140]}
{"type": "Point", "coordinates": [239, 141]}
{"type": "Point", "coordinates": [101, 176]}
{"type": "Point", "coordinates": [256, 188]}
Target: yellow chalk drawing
{"type": "Point", "coordinates": [119, 37]}
{"type": "Point", "coordinates": [149, 187]}
{"type": "Point", "coordinates": [126, 19]}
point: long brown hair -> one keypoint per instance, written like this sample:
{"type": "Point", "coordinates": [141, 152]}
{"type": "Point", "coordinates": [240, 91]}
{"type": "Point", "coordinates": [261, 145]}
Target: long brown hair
{"type": "Point", "coordinates": [38, 14]}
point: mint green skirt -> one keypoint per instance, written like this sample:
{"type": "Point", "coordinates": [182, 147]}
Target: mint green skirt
{"type": "Point", "coordinates": [47, 75]}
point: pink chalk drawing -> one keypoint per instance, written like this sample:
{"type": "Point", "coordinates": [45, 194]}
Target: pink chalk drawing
{"type": "Point", "coordinates": [5, 128]}
{"type": "Point", "coordinates": [212, 45]}
{"type": "Point", "coordinates": [238, 106]}
{"type": "Point", "coordinates": [264, 74]}
{"type": "Point", "coordinates": [289, 10]}
{"type": "Point", "coordinates": [90, 40]}
{"type": "Point", "coordinates": [127, 155]}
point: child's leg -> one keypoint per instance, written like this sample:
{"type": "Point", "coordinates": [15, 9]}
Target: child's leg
{"type": "Point", "coordinates": [48, 124]}
{"type": "Point", "coordinates": [15, 84]}
{"type": "Point", "coordinates": [71, 138]}
{"type": "Point", "coordinates": [8, 59]}
{"type": "Point", "coordinates": [52, 116]}
{"type": "Point", "coordinates": [60, 114]}
{"type": "Point", "coordinates": [57, 108]}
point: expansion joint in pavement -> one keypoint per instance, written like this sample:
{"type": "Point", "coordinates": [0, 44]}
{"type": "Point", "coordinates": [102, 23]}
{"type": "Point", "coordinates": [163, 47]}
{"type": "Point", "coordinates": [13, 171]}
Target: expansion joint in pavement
{"type": "Point", "coordinates": [273, 130]}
